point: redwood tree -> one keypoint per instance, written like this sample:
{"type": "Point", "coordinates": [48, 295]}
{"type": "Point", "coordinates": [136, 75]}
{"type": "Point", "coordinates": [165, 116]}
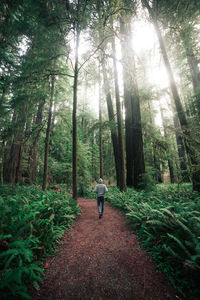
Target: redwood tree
{"type": "Point", "coordinates": [134, 141]}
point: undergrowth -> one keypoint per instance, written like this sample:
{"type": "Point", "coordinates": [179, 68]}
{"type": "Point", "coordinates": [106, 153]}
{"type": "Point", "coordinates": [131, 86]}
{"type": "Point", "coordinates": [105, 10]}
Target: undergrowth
{"type": "Point", "coordinates": [31, 224]}
{"type": "Point", "coordinates": [167, 221]}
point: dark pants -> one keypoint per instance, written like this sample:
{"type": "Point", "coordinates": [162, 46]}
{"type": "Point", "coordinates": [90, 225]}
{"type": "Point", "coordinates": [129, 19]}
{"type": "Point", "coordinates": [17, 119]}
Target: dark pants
{"type": "Point", "coordinates": [100, 204]}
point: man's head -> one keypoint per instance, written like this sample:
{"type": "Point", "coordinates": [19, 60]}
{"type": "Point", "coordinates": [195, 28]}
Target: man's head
{"type": "Point", "coordinates": [100, 180]}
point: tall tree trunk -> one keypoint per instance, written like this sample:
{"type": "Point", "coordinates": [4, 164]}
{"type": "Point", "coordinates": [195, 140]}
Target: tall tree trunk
{"type": "Point", "coordinates": [2, 99]}
{"type": "Point", "coordinates": [194, 68]}
{"type": "Point", "coordinates": [74, 119]}
{"type": "Point", "coordinates": [45, 175]}
{"type": "Point", "coordinates": [36, 139]}
{"type": "Point", "coordinates": [177, 101]}
{"type": "Point", "coordinates": [122, 175]}
{"type": "Point", "coordinates": [154, 162]}
{"type": "Point", "coordinates": [169, 160]}
{"type": "Point", "coordinates": [134, 141]}
{"type": "Point", "coordinates": [181, 147]}
{"type": "Point", "coordinates": [100, 131]}
{"type": "Point", "coordinates": [2, 162]}
{"type": "Point", "coordinates": [111, 117]}
{"type": "Point", "coordinates": [13, 168]}
{"type": "Point", "coordinates": [192, 61]}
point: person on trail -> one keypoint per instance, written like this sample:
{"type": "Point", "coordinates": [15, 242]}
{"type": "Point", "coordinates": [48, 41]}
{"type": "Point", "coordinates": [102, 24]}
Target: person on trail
{"type": "Point", "coordinates": [100, 189]}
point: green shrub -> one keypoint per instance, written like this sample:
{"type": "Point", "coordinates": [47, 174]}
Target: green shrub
{"type": "Point", "coordinates": [31, 223]}
{"type": "Point", "coordinates": [167, 220]}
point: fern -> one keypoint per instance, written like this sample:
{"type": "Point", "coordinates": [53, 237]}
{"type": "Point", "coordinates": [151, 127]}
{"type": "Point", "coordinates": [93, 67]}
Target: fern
{"type": "Point", "coordinates": [170, 251]}
{"type": "Point", "coordinates": [185, 229]}
{"type": "Point", "coordinates": [158, 223]}
{"type": "Point", "coordinates": [179, 243]}
{"type": "Point", "coordinates": [31, 222]}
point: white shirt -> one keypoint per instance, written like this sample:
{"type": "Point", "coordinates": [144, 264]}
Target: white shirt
{"type": "Point", "coordinates": [100, 189]}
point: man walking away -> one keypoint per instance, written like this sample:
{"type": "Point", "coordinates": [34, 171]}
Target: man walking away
{"type": "Point", "coordinates": [100, 189]}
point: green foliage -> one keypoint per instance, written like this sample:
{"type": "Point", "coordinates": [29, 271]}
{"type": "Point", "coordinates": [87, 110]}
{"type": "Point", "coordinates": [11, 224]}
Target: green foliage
{"type": "Point", "coordinates": [31, 224]}
{"type": "Point", "coordinates": [167, 221]}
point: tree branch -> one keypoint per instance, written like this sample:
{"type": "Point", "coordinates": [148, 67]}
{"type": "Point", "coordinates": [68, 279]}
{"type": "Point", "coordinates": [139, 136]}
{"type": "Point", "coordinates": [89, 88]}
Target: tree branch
{"type": "Point", "coordinates": [98, 47]}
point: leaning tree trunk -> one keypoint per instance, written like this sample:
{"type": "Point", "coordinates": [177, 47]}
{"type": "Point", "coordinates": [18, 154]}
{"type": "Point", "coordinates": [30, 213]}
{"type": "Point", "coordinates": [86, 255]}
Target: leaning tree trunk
{"type": "Point", "coordinates": [119, 124]}
{"type": "Point", "coordinates": [45, 175]}
{"type": "Point", "coordinates": [134, 141]}
{"type": "Point", "coordinates": [179, 108]}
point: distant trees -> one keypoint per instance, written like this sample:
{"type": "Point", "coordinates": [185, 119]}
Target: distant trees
{"type": "Point", "coordinates": [45, 135]}
{"type": "Point", "coordinates": [186, 131]}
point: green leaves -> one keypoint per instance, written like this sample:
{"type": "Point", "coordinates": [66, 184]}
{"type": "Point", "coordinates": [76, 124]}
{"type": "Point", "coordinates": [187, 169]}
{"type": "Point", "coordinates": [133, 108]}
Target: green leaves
{"type": "Point", "coordinates": [167, 221]}
{"type": "Point", "coordinates": [32, 222]}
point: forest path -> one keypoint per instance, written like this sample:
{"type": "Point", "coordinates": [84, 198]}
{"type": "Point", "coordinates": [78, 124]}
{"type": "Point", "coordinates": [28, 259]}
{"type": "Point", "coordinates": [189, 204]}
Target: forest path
{"type": "Point", "coordinates": [102, 259]}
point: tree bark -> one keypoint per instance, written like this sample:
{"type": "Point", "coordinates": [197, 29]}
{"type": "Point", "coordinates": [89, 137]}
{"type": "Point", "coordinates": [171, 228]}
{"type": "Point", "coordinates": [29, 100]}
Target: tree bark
{"type": "Point", "coordinates": [74, 119]}
{"type": "Point", "coordinates": [100, 131]}
{"type": "Point", "coordinates": [169, 160]}
{"type": "Point", "coordinates": [134, 141]}
{"type": "Point", "coordinates": [192, 61]}
{"type": "Point", "coordinates": [194, 68]}
{"type": "Point", "coordinates": [181, 147]}
{"type": "Point", "coordinates": [13, 168]}
{"type": "Point", "coordinates": [122, 175]}
{"type": "Point", "coordinates": [35, 141]}
{"type": "Point", "coordinates": [111, 117]}
{"type": "Point", "coordinates": [45, 175]}
{"type": "Point", "coordinates": [2, 162]}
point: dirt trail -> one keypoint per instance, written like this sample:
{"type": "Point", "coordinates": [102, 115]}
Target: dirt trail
{"type": "Point", "coordinates": [101, 259]}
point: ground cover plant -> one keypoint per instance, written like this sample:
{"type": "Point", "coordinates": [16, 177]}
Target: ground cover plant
{"type": "Point", "coordinates": [167, 221]}
{"type": "Point", "coordinates": [32, 222]}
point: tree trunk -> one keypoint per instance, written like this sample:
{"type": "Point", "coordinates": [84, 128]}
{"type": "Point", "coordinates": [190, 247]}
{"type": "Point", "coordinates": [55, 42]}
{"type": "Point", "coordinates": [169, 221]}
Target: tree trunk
{"type": "Point", "coordinates": [45, 175]}
{"type": "Point", "coordinates": [177, 101]}
{"type": "Point", "coordinates": [2, 162]}
{"type": "Point", "coordinates": [74, 120]}
{"type": "Point", "coordinates": [192, 61]}
{"type": "Point", "coordinates": [194, 68]}
{"type": "Point", "coordinates": [134, 142]}
{"type": "Point", "coordinates": [169, 160]}
{"type": "Point", "coordinates": [35, 143]}
{"type": "Point", "coordinates": [111, 117]}
{"type": "Point", "coordinates": [122, 175]}
{"type": "Point", "coordinates": [100, 132]}
{"type": "Point", "coordinates": [2, 99]}
{"type": "Point", "coordinates": [13, 167]}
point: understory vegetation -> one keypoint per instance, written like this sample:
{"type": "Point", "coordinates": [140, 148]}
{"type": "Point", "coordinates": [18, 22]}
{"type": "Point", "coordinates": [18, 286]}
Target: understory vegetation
{"type": "Point", "coordinates": [31, 224]}
{"type": "Point", "coordinates": [167, 221]}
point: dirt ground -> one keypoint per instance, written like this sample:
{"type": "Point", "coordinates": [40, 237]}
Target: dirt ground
{"type": "Point", "coordinates": [102, 259]}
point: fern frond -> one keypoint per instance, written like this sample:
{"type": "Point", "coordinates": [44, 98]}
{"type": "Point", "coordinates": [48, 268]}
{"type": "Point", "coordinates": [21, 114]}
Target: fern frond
{"type": "Point", "coordinates": [185, 228]}
{"type": "Point", "coordinates": [157, 223]}
{"type": "Point", "coordinates": [170, 251]}
{"type": "Point", "coordinates": [179, 243]}
{"type": "Point", "coordinates": [168, 212]}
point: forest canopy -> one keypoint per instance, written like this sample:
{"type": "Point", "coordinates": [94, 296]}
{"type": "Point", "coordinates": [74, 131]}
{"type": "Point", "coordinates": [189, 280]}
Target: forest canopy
{"type": "Point", "coordinates": [93, 89]}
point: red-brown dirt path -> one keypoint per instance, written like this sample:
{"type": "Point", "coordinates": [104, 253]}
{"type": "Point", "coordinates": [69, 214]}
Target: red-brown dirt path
{"type": "Point", "coordinates": [101, 259]}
